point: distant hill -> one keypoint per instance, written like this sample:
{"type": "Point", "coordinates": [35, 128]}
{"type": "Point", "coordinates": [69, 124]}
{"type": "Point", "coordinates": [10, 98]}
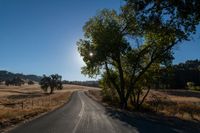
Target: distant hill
{"type": "Point", "coordinates": [5, 75]}
{"type": "Point", "coordinates": [83, 83]}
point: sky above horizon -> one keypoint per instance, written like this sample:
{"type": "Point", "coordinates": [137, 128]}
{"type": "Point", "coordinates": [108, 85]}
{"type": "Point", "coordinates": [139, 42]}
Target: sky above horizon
{"type": "Point", "coordinates": [39, 36]}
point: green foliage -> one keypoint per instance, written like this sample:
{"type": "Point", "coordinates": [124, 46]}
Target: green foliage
{"type": "Point", "coordinates": [196, 88]}
{"type": "Point", "coordinates": [130, 48]}
{"type": "Point", "coordinates": [53, 82]}
{"type": "Point", "coordinates": [177, 76]}
{"type": "Point", "coordinates": [191, 86]}
{"type": "Point", "coordinates": [45, 83]}
{"type": "Point", "coordinates": [101, 41]}
{"type": "Point", "coordinates": [188, 71]}
{"type": "Point", "coordinates": [182, 16]}
{"type": "Point", "coordinates": [108, 91]}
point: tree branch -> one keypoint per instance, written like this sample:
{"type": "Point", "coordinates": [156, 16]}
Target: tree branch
{"type": "Point", "coordinates": [132, 83]}
{"type": "Point", "coordinates": [111, 79]}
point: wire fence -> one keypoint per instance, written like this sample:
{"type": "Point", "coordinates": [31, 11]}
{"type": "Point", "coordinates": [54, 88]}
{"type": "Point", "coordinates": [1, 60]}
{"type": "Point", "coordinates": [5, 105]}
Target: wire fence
{"type": "Point", "coordinates": [33, 103]}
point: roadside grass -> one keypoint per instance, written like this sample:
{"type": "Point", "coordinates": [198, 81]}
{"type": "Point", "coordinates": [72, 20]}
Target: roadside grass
{"type": "Point", "coordinates": [181, 104]}
{"type": "Point", "coordinates": [176, 104]}
{"type": "Point", "coordinates": [31, 108]}
{"type": "Point", "coordinates": [15, 108]}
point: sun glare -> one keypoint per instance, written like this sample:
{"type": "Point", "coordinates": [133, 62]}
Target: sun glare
{"type": "Point", "coordinates": [91, 54]}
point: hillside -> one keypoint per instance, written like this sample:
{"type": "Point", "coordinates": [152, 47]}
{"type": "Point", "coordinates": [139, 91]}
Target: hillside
{"type": "Point", "coordinates": [83, 83]}
{"type": "Point", "coordinates": [5, 75]}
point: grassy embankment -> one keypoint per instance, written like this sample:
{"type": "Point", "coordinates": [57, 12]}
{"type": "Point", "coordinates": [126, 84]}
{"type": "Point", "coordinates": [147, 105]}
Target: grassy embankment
{"type": "Point", "coordinates": [184, 104]}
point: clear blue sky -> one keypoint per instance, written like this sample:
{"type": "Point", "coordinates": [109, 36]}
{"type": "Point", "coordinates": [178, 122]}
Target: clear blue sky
{"type": "Point", "coordinates": [39, 36]}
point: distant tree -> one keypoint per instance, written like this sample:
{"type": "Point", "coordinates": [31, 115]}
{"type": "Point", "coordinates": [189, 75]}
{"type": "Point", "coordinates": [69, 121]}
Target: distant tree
{"type": "Point", "coordinates": [190, 85]}
{"type": "Point", "coordinates": [44, 83]}
{"type": "Point", "coordinates": [1, 82]}
{"type": "Point", "coordinates": [30, 82]}
{"type": "Point", "coordinates": [17, 81]}
{"type": "Point", "coordinates": [7, 82]}
{"type": "Point", "coordinates": [65, 82]}
{"type": "Point", "coordinates": [53, 82]}
{"type": "Point", "coordinates": [186, 72]}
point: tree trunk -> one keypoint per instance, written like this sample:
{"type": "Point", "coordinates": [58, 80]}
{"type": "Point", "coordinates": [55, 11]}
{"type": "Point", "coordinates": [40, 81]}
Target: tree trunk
{"type": "Point", "coordinates": [123, 103]}
{"type": "Point", "coordinates": [132, 99]}
{"type": "Point", "coordinates": [138, 100]}
{"type": "Point", "coordinates": [52, 89]}
{"type": "Point", "coordinates": [143, 99]}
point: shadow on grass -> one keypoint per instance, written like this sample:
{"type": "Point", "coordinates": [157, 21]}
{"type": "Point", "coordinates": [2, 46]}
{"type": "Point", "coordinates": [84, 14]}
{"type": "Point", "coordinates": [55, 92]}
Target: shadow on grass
{"type": "Point", "coordinates": [184, 93]}
{"type": "Point", "coordinates": [154, 123]}
{"type": "Point", "coordinates": [23, 95]}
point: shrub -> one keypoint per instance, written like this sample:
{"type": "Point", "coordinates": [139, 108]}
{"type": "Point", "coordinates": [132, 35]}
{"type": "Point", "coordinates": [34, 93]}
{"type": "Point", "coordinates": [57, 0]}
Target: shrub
{"type": "Point", "coordinates": [30, 82]}
{"type": "Point", "coordinates": [191, 86]}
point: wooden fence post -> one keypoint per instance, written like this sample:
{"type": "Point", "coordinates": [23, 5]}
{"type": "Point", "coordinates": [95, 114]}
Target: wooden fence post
{"type": "Point", "coordinates": [32, 103]}
{"type": "Point", "coordinates": [22, 103]}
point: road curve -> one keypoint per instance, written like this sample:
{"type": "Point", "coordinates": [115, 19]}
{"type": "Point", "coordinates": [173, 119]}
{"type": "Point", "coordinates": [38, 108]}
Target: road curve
{"type": "Point", "coordinates": [83, 115]}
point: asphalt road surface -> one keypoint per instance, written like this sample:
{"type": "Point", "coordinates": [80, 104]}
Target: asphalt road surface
{"type": "Point", "coordinates": [83, 115]}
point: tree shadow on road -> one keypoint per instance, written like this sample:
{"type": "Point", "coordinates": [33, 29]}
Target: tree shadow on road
{"type": "Point", "coordinates": [145, 123]}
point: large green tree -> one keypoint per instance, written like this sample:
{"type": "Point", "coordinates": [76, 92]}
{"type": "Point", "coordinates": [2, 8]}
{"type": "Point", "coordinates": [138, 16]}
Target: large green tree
{"type": "Point", "coordinates": [131, 46]}
{"type": "Point", "coordinates": [160, 25]}
{"type": "Point", "coordinates": [107, 44]}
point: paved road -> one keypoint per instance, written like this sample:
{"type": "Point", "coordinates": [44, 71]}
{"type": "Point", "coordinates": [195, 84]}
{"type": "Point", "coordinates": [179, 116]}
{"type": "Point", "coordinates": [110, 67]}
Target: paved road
{"type": "Point", "coordinates": [83, 115]}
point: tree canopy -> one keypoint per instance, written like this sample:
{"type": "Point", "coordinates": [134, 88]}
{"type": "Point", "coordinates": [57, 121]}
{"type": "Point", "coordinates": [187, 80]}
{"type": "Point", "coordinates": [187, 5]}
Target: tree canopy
{"type": "Point", "coordinates": [130, 47]}
{"type": "Point", "coordinates": [52, 82]}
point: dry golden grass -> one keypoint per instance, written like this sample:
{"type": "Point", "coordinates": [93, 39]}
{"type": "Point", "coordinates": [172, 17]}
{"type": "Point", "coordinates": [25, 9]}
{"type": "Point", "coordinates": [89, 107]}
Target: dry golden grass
{"type": "Point", "coordinates": [24, 102]}
{"type": "Point", "coordinates": [95, 94]}
{"type": "Point", "coordinates": [34, 89]}
{"type": "Point", "coordinates": [184, 104]}
{"type": "Point", "coordinates": [179, 103]}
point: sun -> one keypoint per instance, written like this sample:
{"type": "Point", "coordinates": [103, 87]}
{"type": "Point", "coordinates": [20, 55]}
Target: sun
{"type": "Point", "coordinates": [91, 54]}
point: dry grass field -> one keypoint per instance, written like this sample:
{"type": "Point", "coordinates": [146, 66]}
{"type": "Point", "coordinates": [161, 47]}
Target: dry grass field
{"type": "Point", "coordinates": [25, 102]}
{"type": "Point", "coordinates": [19, 103]}
{"type": "Point", "coordinates": [183, 104]}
